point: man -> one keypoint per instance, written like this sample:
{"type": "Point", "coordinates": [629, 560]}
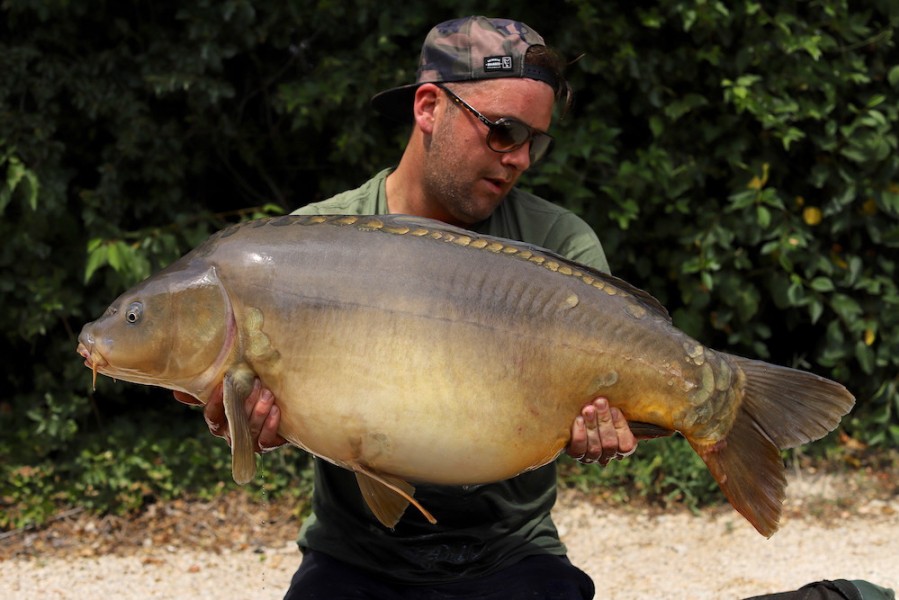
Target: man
{"type": "Point", "coordinates": [479, 111]}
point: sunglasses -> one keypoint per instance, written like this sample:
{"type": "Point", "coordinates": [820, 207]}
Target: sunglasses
{"type": "Point", "coordinates": [507, 134]}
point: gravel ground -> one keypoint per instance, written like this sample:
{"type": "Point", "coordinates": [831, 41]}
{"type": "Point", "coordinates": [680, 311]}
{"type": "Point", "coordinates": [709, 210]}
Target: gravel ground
{"type": "Point", "coordinates": [831, 530]}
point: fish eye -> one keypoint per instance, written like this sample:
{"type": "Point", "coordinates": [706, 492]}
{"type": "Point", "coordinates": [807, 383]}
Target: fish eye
{"type": "Point", "coordinates": [134, 312]}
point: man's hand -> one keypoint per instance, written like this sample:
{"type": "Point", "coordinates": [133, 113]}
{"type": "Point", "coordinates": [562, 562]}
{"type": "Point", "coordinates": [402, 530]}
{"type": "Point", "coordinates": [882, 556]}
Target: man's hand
{"type": "Point", "coordinates": [599, 434]}
{"type": "Point", "coordinates": [262, 412]}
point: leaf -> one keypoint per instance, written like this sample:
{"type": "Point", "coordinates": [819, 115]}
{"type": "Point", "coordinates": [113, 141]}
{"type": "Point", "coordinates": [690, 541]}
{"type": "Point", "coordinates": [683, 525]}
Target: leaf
{"type": "Point", "coordinates": [743, 199]}
{"type": "Point", "coordinates": [15, 171]}
{"type": "Point", "coordinates": [865, 357]}
{"type": "Point", "coordinates": [5, 197]}
{"type": "Point", "coordinates": [116, 255]}
{"type": "Point", "coordinates": [18, 178]}
{"type": "Point", "coordinates": [795, 294]}
{"type": "Point", "coordinates": [822, 284]}
{"type": "Point", "coordinates": [763, 215]}
{"type": "Point", "coordinates": [681, 106]}
{"type": "Point", "coordinates": [893, 77]}
{"type": "Point", "coordinates": [97, 257]}
{"type": "Point", "coordinates": [33, 190]}
{"type": "Point", "coordinates": [815, 310]}
{"type": "Point", "coordinates": [846, 307]}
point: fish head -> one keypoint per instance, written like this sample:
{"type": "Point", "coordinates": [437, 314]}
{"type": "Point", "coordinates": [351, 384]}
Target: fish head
{"type": "Point", "coordinates": [172, 330]}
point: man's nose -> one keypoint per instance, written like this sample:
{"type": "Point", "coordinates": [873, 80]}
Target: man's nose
{"type": "Point", "coordinates": [520, 158]}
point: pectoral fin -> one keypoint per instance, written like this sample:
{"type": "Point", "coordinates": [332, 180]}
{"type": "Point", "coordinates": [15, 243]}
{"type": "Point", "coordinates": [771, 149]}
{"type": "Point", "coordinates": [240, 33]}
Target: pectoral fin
{"type": "Point", "coordinates": [387, 496]}
{"type": "Point", "coordinates": [237, 385]}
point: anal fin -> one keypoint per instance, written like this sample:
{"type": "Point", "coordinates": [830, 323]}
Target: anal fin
{"type": "Point", "coordinates": [387, 496]}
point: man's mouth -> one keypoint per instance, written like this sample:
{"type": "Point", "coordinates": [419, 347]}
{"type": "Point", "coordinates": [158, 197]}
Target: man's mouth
{"type": "Point", "coordinates": [499, 184]}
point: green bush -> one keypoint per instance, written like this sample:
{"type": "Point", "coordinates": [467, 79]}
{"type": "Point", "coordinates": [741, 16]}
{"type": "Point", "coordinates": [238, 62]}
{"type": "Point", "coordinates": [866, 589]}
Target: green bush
{"type": "Point", "coordinates": [665, 472]}
{"type": "Point", "coordinates": [738, 160]}
{"type": "Point", "coordinates": [741, 161]}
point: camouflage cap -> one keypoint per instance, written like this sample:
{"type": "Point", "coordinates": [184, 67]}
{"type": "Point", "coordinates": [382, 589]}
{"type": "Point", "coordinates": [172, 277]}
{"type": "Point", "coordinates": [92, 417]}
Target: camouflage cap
{"type": "Point", "coordinates": [467, 49]}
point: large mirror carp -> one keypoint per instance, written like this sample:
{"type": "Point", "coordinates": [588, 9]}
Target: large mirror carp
{"type": "Point", "coordinates": [408, 350]}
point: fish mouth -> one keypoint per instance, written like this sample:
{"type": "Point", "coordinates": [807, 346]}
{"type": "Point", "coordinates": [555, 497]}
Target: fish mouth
{"type": "Point", "coordinates": [93, 360]}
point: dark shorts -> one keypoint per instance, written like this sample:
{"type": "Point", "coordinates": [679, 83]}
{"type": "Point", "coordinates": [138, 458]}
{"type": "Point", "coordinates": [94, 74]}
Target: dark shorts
{"type": "Point", "coordinates": [542, 577]}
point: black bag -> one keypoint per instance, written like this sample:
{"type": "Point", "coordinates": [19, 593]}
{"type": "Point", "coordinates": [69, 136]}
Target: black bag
{"type": "Point", "coordinates": [841, 589]}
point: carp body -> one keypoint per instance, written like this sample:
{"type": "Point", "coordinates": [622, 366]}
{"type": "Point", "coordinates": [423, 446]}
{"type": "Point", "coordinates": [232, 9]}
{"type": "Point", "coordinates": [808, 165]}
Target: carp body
{"type": "Point", "coordinates": [407, 350]}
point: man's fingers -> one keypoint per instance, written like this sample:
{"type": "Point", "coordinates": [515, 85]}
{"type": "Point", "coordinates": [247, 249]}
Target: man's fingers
{"type": "Point", "coordinates": [577, 446]}
{"type": "Point", "coordinates": [265, 418]}
{"type": "Point", "coordinates": [269, 439]}
{"type": "Point", "coordinates": [214, 413]}
{"type": "Point", "coordinates": [262, 413]}
{"type": "Point", "coordinates": [258, 405]}
{"type": "Point", "coordinates": [607, 444]}
{"type": "Point", "coordinates": [627, 442]}
{"type": "Point", "coordinates": [264, 421]}
{"type": "Point", "coordinates": [586, 441]}
{"type": "Point", "coordinates": [600, 433]}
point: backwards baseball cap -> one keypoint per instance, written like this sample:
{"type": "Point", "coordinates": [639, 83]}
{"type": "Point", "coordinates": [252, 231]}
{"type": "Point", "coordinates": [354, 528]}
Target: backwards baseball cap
{"type": "Point", "coordinates": [468, 49]}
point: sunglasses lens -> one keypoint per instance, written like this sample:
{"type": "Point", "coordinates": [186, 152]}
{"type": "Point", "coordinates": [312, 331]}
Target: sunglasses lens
{"type": "Point", "coordinates": [507, 135]}
{"type": "Point", "coordinates": [540, 146]}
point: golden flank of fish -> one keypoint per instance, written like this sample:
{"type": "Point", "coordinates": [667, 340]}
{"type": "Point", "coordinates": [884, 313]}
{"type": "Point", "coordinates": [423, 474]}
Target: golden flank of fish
{"type": "Point", "coordinates": [407, 350]}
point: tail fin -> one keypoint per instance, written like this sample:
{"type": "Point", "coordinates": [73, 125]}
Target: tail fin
{"type": "Point", "coordinates": [781, 408]}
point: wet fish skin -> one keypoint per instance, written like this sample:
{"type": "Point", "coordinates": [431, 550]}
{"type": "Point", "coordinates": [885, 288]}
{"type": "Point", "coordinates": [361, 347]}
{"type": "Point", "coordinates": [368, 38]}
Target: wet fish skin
{"type": "Point", "coordinates": [408, 350]}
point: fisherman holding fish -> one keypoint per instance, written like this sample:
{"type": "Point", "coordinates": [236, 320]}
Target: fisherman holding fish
{"type": "Point", "coordinates": [479, 110]}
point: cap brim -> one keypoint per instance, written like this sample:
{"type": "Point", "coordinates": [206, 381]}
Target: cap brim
{"type": "Point", "coordinates": [396, 103]}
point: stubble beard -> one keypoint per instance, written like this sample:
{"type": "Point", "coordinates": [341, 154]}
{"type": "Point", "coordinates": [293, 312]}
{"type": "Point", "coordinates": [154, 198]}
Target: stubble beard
{"type": "Point", "coordinates": [448, 186]}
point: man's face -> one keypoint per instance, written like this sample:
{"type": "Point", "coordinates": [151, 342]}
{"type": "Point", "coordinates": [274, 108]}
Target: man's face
{"type": "Point", "coordinates": [462, 174]}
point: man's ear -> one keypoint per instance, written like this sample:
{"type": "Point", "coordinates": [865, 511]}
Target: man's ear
{"type": "Point", "coordinates": [424, 107]}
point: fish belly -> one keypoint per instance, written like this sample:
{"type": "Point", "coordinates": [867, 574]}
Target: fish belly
{"type": "Point", "coordinates": [444, 403]}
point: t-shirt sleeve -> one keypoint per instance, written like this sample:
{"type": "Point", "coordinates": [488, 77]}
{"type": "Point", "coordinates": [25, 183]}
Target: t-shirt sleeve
{"type": "Point", "coordinates": [367, 199]}
{"type": "Point", "coordinates": [571, 237]}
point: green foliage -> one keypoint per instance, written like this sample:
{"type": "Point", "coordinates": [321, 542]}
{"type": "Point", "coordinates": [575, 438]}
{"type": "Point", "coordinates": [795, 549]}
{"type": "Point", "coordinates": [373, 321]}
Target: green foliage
{"type": "Point", "coordinates": [19, 180]}
{"type": "Point", "coordinates": [141, 457]}
{"type": "Point", "coordinates": [738, 160]}
{"type": "Point", "coordinates": [665, 472]}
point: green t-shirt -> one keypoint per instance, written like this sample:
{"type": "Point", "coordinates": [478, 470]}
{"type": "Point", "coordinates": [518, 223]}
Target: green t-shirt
{"type": "Point", "coordinates": [481, 529]}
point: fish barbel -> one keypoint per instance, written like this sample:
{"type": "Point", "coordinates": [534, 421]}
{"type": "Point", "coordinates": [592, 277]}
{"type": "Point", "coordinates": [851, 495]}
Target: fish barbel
{"type": "Point", "coordinates": [408, 351]}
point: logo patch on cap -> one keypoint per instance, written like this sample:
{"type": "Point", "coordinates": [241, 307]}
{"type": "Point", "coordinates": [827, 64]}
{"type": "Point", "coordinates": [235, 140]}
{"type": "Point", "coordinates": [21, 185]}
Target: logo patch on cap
{"type": "Point", "coordinates": [497, 63]}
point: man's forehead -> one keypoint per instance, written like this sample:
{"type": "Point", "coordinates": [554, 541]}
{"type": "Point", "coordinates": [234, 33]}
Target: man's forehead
{"type": "Point", "coordinates": [519, 98]}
